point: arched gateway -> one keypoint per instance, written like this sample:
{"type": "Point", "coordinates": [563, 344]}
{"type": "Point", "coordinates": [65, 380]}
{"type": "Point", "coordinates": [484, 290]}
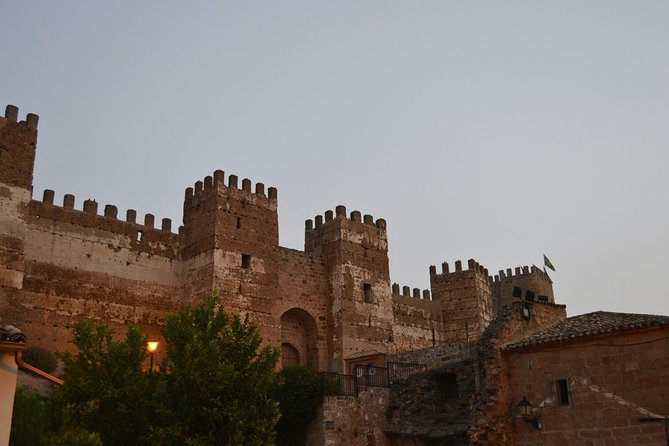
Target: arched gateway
{"type": "Point", "coordinates": [298, 338]}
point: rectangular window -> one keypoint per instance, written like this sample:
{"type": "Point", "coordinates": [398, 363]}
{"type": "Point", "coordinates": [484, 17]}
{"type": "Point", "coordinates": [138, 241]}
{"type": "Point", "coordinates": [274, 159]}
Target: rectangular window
{"type": "Point", "coordinates": [367, 289]}
{"type": "Point", "coordinates": [246, 261]}
{"type": "Point", "coordinates": [562, 389]}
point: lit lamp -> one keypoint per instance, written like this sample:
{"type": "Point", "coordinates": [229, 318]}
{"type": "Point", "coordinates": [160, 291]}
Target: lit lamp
{"type": "Point", "coordinates": [526, 410]}
{"type": "Point", "coordinates": [151, 346]}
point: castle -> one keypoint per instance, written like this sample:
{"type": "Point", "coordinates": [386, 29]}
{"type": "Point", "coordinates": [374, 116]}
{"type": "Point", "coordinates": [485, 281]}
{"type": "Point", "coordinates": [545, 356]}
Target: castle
{"type": "Point", "coordinates": [486, 342]}
{"type": "Point", "coordinates": [319, 306]}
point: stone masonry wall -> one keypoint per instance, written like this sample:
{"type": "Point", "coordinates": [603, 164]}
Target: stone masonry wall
{"type": "Point", "coordinates": [351, 421]}
{"type": "Point", "coordinates": [433, 356]}
{"type": "Point", "coordinates": [612, 380]}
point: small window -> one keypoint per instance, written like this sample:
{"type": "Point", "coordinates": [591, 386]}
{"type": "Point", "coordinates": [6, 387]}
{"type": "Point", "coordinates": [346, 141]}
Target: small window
{"type": "Point", "coordinates": [562, 389]}
{"type": "Point", "coordinates": [367, 288]}
{"type": "Point", "coordinates": [239, 222]}
{"type": "Point", "coordinates": [140, 234]}
{"type": "Point", "coordinates": [526, 312]}
{"type": "Point", "coordinates": [529, 296]}
{"type": "Point", "coordinates": [246, 261]}
{"type": "Point", "coordinates": [517, 291]}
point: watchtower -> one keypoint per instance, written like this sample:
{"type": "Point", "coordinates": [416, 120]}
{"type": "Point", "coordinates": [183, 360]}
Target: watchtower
{"type": "Point", "coordinates": [231, 239]}
{"type": "Point", "coordinates": [360, 310]}
{"type": "Point", "coordinates": [465, 300]}
{"type": "Point", "coordinates": [18, 140]}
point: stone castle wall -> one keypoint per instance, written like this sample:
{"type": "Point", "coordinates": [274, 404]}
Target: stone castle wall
{"type": "Point", "coordinates": [60, 263]}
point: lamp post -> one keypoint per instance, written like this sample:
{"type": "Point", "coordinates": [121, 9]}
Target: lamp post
{"type": "Point", "coordinates": [526, 411]}
{"type": "Point", "coordinates": [151, 346]}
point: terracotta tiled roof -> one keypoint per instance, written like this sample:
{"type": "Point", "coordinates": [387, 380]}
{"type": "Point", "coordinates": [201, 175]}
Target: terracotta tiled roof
{"type": "Point", "coordinates": [590, 324]}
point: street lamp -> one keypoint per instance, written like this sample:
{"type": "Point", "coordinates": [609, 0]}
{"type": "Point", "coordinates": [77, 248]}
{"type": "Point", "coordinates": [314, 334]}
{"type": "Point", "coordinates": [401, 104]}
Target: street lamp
{"type": "Point", "coordinates": [526, 410]}
{"type": "Point", "coordinates": [151, 346]}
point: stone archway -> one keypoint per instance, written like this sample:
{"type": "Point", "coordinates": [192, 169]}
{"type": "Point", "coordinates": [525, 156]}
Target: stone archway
{"type": "Point", "coordinates": [299, 336]}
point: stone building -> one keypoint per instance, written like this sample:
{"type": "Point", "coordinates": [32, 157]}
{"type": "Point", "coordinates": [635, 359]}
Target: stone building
{"type": "Point", "coordinates": [479, 344]}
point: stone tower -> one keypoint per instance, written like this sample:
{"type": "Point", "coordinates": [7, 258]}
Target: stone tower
{"type": "Point", "coordinates": [360, 310]}
{"type": "Point", "coordinates": [18, 140]}
{"type": "Point", "coordinates": [465, 300]}
{"type": "Point", "coordinates": [231, 243]}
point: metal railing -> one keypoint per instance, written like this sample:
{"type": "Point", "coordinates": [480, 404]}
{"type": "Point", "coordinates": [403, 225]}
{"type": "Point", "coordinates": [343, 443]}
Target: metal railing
{"type": "Point", "coordinates": [340, 384]}
{"type": "Point", "coordinates": [400, 370]}
{"type": "Point", "coordinates": [371, 375]}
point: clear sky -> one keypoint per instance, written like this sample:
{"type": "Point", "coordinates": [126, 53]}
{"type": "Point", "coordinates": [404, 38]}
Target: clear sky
{"type": "Point", "coordinates": [496, 130]}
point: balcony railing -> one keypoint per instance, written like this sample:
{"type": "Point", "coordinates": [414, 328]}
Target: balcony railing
{"type": "Point", "coordinates": [339, 384]}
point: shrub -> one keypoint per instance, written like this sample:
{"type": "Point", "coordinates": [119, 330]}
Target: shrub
{"type": "Point", "coordinates": [299, 391]}
{"type": "Point", "coordinates": [31, 420]}
{"type": "Point", "coordinates": [40, 358]}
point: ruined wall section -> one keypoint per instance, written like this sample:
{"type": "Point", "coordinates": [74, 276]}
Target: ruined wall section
{"type": "Point", "coordinates": [466, 301]}
{"type": "Point", "coordinates": [82, 264]}
{"type": "Point", "coordinates": [355, 248]}
{"type": "Point", "coordinates": [490, 422]}
{"type": "Point", "coordinates": [416, 319]}
{"type": "Point", "coordinates": [527, 283]}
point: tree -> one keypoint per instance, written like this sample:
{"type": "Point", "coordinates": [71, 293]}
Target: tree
{"type": "Point", "coordinates": [106, 390]}
{"type": "Point", "coordinates": [299, 391]}
{"type": "Point", "coordinates": [216, 381]}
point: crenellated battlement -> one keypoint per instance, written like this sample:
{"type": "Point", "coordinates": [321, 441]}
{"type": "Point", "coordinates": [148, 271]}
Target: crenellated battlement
{"type": "Point", "coordinates": [529, 283]}
{"type": "Point", "coordinates": [339, 215]}
{"type": "Point", "coordinates": [523, 271]}
{"type": "Point", "coordinates": [18, 140]}
{"type": "Point", "coordinates": [446, 273]}
{"type": "Point", "coordinates": [142, 234]}
{"type": "Point", "coordinates": [12, 115]}
{"type": "Point", "coordinates": [407, 292]}
{"type": "Point", "coordinates": [215, 185]}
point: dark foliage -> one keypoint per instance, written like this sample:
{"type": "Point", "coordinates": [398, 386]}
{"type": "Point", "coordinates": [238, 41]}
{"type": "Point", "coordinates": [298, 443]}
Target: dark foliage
{"type": "Point", "coordinates": [40, 358]}
{"type": "Point", "coordinates": [299, 391]}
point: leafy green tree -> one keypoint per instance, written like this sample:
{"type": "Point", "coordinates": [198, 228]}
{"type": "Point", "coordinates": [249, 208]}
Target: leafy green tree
{"type": "Point", "coordinates": [299, 391]}
{"type": "Point", "coordinates": [31, 420]}
{"type": "Point", "coordinates": [106, 390]}
{"type": "Point", "coordinates": [216, 381]}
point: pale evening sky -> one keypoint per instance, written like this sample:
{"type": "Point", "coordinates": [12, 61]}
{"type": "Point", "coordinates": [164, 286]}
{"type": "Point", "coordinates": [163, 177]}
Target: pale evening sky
{"type": "Point", "coordinates": [493, 130]}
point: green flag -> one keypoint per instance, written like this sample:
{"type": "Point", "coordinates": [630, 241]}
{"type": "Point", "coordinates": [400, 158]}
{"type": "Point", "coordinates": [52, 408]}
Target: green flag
{"type": "Point", "coordinates": [548, 263]}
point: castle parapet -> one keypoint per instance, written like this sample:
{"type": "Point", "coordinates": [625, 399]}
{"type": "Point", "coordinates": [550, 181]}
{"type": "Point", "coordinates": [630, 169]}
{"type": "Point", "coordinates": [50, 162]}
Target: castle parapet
{"type": "Point", "coordinates": [18, 140]}
{"type": "Point", "coordinates": [409, 293]}
{"type": "Point", "coordinates": [141, 236]}
{"type": "Point", "coordinates": [340, 215]}
{"type": "Point", "coordinates": [446, 274]}
{"type": "Point", "coordinates": [12, 115]}
{"type": "Point", "coordinates": [523, 271]}
{"type": "Point", "coordinates": [333, 226]}
{"type": "Point", "coordinates": [522, 282]}
{"type": "Point", "coordinates": [215, 184]}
